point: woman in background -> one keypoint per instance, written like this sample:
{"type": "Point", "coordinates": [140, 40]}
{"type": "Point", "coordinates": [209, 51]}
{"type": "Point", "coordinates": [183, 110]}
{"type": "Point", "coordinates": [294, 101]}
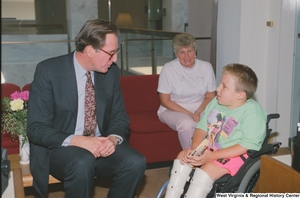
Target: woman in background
{"type": "Point", "coordinates": [186, 85]}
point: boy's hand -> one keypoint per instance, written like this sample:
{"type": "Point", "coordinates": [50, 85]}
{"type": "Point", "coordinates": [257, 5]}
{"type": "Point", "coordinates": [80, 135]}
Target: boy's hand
{"type": "Point", "coordinates": [182, 156]}
{"type": "Point", "coordinates": [206, 157]}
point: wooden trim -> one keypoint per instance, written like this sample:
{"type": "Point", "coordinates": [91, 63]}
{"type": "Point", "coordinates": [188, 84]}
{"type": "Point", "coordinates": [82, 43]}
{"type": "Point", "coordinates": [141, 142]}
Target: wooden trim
{"type": "Point", "coordinates": [18, 184]}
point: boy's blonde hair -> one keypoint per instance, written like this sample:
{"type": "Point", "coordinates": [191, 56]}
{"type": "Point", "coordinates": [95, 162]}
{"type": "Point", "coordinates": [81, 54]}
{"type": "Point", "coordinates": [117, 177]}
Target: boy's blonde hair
{"type": "Point", "coordinates": [245, 78]}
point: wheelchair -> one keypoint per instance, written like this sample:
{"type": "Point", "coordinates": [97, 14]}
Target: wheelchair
{"type": "Point", "coordinates": [245, 179]}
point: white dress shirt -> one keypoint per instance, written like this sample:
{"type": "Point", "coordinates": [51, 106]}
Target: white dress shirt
{"type": "Point", "coordinates": [81, 81]}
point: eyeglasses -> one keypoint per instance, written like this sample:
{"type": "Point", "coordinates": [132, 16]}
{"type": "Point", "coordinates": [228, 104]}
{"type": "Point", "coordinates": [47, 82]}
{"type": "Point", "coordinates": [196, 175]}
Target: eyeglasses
{"type": "Point", "coordinates": [111, 54]}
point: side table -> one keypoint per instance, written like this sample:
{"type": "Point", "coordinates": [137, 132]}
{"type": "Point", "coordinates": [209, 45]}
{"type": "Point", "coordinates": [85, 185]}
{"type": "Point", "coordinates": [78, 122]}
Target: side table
{"type": "Point", "coordinates": [25, 171]}
{"type": "Point", "coordinates": [277, 177]}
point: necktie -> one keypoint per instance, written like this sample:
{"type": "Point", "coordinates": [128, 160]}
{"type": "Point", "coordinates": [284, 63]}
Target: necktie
{"type": "Point", "coordinates": [90, 123]}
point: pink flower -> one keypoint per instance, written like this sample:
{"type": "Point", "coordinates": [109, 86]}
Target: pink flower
{"type": "Point", "coordinates": [15, 95]}
{"type": "Point", "coordinates": [24, 95]}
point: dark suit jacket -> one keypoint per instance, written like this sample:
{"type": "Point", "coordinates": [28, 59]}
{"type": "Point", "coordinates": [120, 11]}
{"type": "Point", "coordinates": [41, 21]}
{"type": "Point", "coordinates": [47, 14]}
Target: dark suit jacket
{"type": "Point", "coordinates": [52, 111]}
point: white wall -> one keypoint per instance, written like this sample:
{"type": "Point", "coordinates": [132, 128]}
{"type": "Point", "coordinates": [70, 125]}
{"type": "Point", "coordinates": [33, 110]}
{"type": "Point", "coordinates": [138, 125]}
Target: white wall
{"type": "Point", "coordinates": [200, 25]}
{"type": "Point", "coordinates": [244, 37]}
{"type": "Point", "coordinates": [228, 34]}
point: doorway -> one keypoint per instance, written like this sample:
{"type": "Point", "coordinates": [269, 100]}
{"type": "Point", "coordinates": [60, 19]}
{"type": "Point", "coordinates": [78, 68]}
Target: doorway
{"type": "Point", "coordinates": [155, 14]}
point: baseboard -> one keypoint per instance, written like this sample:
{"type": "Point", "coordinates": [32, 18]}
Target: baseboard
{"type": "Point", "coordinates": [159, 165]}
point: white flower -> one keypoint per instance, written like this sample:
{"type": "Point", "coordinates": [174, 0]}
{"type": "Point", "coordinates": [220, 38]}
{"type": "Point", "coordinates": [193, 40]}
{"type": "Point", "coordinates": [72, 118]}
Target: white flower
{"type": "Point", "coordinates": [17, 104]}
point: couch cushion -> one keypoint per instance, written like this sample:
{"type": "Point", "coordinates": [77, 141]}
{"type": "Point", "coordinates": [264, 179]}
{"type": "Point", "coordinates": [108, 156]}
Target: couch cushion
{"type": "Point", "coordinates": [26, 87]}
{"type": "Point", "coordinates": [8, 88]}
{"type": "Point", "coordinates": [11, 146]}
{"type": "Point", "coordinates": [156, 147]}
{"type": "Point", "coordinates": [140, 93]}
{"type": "Point", "coordinates": [147, 122]}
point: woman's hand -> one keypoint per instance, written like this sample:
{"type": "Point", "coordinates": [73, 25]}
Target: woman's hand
{"type": "Point", "coordinates": [196, 116]}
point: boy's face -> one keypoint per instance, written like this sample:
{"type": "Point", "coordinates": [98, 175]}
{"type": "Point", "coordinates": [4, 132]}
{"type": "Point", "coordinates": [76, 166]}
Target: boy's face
{"type": "Point", "coordinates": [227, 94]}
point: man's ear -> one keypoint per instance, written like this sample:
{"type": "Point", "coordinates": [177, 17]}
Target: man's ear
{"type": "Point", "coordinates": [89, 50]}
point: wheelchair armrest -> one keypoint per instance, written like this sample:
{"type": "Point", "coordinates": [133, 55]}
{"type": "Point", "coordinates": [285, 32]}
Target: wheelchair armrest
{"type": "Point", "coordinates": [265, 149]}
{"type": "Point", "coordinates": [276, 146]}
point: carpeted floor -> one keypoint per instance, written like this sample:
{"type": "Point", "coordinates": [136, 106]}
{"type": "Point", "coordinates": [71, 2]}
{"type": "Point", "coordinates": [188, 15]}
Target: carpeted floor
{"type": "Point", "coordinates": [153, 180]}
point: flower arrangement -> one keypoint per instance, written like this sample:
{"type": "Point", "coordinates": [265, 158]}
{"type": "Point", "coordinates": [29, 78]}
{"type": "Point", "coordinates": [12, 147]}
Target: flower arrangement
{"type": "Point", "coordinates": [14, 115]}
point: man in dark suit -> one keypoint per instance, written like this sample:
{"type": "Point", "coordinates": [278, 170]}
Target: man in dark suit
{"type": "Point", "coordinates": [56, 119]}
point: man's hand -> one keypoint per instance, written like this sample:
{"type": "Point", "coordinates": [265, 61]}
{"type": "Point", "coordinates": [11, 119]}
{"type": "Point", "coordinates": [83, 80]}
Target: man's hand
{"type": "Point", "coordinates": [98, 146]}
{"type": "Point", "coordinates": [113, 139]}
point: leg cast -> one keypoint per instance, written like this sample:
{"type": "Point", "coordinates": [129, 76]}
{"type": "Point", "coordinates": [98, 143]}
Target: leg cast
{"type": "Point", "coordinates": [200, 186]}
{"type": "Point", "coordinates": [179, 176]}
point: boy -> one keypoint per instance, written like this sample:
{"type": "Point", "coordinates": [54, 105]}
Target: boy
{"type": "Point", "coordinates": [232, 123]}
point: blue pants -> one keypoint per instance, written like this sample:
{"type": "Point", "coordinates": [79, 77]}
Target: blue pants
{"type": "Point", "coordinates": [77, 168]}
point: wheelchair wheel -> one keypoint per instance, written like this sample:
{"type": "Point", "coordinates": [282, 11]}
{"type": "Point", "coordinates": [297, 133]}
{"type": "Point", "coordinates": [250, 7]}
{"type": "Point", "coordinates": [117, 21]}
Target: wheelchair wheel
{"type": "Point", "coordinates": [162, 189]}
{"type": "Point", "coordinates": [248, 182]}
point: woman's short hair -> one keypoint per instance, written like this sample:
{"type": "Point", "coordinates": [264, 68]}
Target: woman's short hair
{"type": "Point", "coordinates": [184, 40]}
{"type": "Point", "coordinates": [94, 33]}
{"type": "Point", "coordinates": [245, 78]}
